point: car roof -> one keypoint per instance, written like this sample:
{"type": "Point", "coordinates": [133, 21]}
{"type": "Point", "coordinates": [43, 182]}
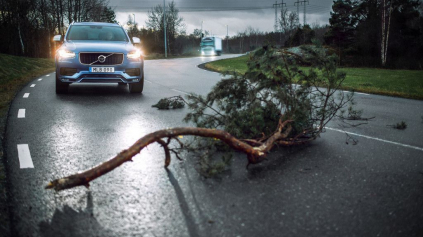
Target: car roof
{"type": "Point", "coordinates": [95, 23]}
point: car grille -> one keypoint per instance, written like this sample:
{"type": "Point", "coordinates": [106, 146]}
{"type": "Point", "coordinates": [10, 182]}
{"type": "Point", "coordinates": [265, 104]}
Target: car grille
{"type": "Point", "coordinates": [92, 58]}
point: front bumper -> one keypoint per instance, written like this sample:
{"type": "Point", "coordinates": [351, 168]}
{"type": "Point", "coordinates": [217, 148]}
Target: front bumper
{"type": "Point", "coordinates": [83, 74]}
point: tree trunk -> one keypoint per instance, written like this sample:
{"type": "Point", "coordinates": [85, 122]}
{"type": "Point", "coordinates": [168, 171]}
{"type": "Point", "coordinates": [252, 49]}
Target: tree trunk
{"type": "Point", "coordinates": [385, 31]}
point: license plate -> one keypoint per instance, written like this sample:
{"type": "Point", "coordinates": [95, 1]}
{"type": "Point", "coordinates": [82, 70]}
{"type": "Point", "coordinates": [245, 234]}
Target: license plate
{"type": "Point", "coordinates": [102, 69]}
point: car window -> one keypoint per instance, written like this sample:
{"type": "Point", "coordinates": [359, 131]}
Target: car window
{"type": "Point", "coordinates": [103, 33]}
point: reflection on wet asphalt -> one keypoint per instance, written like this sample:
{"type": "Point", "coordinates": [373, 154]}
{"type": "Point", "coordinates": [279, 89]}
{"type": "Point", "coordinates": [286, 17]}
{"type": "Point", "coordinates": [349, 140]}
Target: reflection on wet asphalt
{"type": "Point", "coordinates": [326, 188]}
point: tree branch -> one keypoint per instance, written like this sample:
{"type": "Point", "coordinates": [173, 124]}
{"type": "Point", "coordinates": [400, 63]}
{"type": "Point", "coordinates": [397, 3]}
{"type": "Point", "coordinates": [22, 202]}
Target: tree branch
{"type": "Point", "coordinates": [254, 154]}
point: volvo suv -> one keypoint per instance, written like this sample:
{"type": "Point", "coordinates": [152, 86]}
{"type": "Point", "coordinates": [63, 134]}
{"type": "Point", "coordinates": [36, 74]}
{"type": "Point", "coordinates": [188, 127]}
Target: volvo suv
{"type": "Point", "coordinates": [94, 52]}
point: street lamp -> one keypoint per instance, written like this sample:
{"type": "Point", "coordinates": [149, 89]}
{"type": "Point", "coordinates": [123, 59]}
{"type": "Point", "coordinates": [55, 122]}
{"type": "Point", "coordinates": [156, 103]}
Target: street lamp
{"type": "Point", "coordinates": [164, 23]}
{"type": "Point", "coordinates": [201, 29]}
{"type": "Point", "coordinates": [134, 18]}
{"type": "Point", "coordinates": [227, 38]}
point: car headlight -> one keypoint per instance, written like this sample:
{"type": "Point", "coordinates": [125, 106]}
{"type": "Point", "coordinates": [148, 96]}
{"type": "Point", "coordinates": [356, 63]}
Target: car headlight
{"type": "Point", "coordinates": [63, 53]}
{"type": "Point", "coordinates": [135, 54]}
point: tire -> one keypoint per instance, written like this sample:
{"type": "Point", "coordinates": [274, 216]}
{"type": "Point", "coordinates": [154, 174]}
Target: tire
{"type": "Point", "coordinates": [61, 87]}
{"type": "Point", "coordinates": [137, 87]}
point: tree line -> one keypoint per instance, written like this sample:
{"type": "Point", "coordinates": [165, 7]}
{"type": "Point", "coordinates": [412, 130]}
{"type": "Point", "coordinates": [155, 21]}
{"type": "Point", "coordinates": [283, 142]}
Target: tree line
{"type": "Point", "coordinates": [370, 33]}
{"type": "Point", "coordinates": [375, 33]}
{"type": "Point", "coordinates": [181, 43]}
{"type": "Point", "coordinates": [28, 26]}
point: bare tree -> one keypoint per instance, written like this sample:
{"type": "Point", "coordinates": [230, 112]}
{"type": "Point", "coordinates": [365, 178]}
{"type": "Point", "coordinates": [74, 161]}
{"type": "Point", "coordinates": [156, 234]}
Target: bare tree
{"type": "Point", "coordinates": [174, 23]}
{"type": "Point", "coordinates": [288, 23]}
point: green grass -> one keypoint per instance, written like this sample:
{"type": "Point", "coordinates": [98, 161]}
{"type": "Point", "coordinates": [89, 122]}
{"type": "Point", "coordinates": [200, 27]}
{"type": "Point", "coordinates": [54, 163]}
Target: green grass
{"type": "Point", "coordinates": [15, 72]}
{"type": "Point", "coordinates": [238, 64]}
{"type": "Point", "coordinates": [399, 83]}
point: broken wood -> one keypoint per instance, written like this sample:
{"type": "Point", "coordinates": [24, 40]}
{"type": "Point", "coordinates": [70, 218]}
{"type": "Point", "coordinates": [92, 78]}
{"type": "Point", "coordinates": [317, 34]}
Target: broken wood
{"type": "Point", "coordinates": [254, 154]}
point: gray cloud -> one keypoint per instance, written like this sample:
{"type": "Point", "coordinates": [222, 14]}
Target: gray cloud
{"type": "Point", "coordinates": [216, 14]}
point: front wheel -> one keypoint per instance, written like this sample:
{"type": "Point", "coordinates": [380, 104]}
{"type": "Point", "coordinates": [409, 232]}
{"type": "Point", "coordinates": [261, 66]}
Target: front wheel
{"type": "Point", "coordinates": [61, 87]}
{"type": "Point", "coordinates": [137, 87]}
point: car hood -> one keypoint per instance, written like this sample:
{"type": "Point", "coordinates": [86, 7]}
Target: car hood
{"type": "Point", "coordinates": [98, 46]}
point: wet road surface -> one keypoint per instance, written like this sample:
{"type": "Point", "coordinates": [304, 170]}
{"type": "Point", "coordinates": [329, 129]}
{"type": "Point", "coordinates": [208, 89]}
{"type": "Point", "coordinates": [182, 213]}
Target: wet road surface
{"type": "Point", "coordinates": [326, 188]}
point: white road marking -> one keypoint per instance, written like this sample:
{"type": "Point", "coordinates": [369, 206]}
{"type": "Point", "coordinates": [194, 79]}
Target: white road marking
{"type": "Point", "coordinates": [40, 79]}
{"type": "Point", "coordinates": [24, 155]}
{"type": "Point", "coordinates": [48, 75]}
{"type": "Point", "coordinates": [33, 85]}
{"type": "Point", "coordinates": [26, 95]}
{"type": "Point", "coordinates": [21, 113]}
{"type": "Point", "coordinates": [377, 139]}
{"type": "Point", "coordinates": [180, 91]}
{"type": "Point", "coordinates": [359, 93]}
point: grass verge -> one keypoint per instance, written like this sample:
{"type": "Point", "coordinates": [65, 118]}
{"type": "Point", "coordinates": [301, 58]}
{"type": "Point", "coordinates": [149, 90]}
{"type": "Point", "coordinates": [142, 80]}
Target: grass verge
{"type": "Point", "coordinates": [15, 72]}
{"type": "Point", "coordinates": [399, 83]}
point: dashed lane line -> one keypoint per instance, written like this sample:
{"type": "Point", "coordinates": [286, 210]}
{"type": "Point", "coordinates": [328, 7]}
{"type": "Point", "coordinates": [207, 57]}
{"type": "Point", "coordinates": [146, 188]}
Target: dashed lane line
{"type": "Point", "coordinates": [33, 85]}
{"type": "Point", "coordinates": [48, 75]}
{"type": "Point", "coordinates": [26, 95]}
{"type": "Point", "coordinates": [377, 139]}
{"type": "Point", "coordinates": [40, 79]}
{"type": "Point", "coordinates": [25, 160]}
{"type": "Point", "coordinates": [21, 113]}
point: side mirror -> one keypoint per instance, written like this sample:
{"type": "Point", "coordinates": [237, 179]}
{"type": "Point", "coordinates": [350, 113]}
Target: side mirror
{"type": "Point", "coordinates": [136, 40]}
{"type": "Point", "coordinates": [57, 38]}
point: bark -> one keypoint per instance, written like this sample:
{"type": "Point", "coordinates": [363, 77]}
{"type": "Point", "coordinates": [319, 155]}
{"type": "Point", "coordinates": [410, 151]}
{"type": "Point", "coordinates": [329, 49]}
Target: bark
{"type": "Point", "coordinates": [254, 154]}
{"type": "Point", "coordinates": [385, 31]}
{"type": "Point", "coordinates": [382, 43]}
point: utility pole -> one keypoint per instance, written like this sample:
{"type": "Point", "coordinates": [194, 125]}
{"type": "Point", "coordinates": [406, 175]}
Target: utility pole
{"type": "Point", "coordinates": [305, 1]}
{"type": "Point", "coordinates": [282, 4]}
{"type": "Point", "coordinates": [297, 3]}
{"type": "Point", "coordinates": [276, 16]}
{"type": "Point", "coordinates": [227, 39]}
{"type": "Point", "coordinates": [164, 23]}
{"type": "Point", "coordinates": [276, 5]}
{"type": "Point", "coordinates": [134, 19]}
{"type": "Point", "coordinates": [201, 36]}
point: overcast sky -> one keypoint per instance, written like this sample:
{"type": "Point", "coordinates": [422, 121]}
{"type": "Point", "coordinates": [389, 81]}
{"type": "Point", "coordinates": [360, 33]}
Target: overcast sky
{"type": "Point", "coordinates": [216, 14]}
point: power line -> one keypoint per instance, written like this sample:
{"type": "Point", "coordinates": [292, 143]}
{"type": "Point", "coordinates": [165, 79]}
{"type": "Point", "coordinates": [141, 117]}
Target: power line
{"type": "Point", "coordinates": [311, 8]}
{"type": "Point", "coordinates": [276, 5]}
{"type": "Point", "coordinates": [303, 2]}
{"type": "Point", "coordinates": [194, 9]}
{"type": "Point", "coordinates": [297, 3]}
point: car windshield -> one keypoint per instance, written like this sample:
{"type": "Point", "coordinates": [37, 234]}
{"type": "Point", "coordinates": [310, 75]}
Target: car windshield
{"type": "Point", "coordinates": [91, 32]}
{"type": "Point", "coordinates": [207, 43]}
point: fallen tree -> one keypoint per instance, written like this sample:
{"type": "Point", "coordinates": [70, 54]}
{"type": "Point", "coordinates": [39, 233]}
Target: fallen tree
{"type": "Point", "coordinates": [273, 103]}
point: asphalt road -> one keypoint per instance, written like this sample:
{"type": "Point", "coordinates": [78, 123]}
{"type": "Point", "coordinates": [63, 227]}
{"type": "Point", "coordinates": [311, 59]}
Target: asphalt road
{"type": "Point", "coordinates": [326, 188]}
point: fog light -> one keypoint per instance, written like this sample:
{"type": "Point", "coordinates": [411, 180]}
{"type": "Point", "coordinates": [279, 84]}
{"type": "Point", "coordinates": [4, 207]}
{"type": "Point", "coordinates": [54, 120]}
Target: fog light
{"type": "Point", "coordinates": [67, 71]}
{"type": "Point", "coordinates": [133, 72]}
